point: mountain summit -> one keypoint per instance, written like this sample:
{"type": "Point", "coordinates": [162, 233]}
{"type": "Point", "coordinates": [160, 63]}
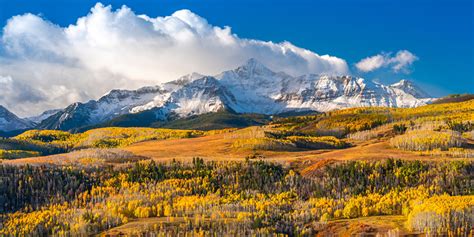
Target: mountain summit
{"type": "Point", "coordinates": [253, 68]}
{"type": "Point", "coordinates": [410, 88]}
{"type": "Point", "coordinates": [250, 88]}
{"type": "Point", "coordinates": [11, 122]}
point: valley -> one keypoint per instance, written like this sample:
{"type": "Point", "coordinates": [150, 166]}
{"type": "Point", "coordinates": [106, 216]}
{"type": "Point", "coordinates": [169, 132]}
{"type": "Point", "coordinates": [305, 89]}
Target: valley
{"type": "Point", "coordinates": [356, 171]}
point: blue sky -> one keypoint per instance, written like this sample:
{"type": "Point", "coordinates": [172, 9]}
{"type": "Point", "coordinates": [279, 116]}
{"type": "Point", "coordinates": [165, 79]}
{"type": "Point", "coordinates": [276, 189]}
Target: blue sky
{"type": "Point", "coordinates": [439, 33]}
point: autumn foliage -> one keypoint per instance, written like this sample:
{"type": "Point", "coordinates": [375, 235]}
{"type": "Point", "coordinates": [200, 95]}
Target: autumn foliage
{"type": "Point", "coordinates": [239, 197]}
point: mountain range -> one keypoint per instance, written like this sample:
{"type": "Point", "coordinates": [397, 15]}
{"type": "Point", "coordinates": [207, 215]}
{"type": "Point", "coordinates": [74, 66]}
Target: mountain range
{"type": "Point", "coordinates": [249, 89]}
{"type": "Point", "coordinates": [9, 121]}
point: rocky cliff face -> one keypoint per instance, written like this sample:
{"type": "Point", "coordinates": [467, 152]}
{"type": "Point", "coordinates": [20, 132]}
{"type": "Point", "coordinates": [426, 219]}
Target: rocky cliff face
{"type": "Point", "coordinates": [250, 88]}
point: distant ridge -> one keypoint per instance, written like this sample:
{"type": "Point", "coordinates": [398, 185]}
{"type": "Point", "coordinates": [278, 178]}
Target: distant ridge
{"type": "Point", "coordinates": [454, 98]}
{"type": "Point", "coordinates": [9, 122]}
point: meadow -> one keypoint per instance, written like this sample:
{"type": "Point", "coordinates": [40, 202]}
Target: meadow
{"type": "Point", "coordinates": [360, 171]}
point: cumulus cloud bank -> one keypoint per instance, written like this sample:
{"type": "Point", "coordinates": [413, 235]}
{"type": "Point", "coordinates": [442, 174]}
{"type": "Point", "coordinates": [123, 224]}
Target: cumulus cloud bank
{"type": "Point", "coordinates": [398, 62]}
{"type": "Point", "coordinates": [44, 66]}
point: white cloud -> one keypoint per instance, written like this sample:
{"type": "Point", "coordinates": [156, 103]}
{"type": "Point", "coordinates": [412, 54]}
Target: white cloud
{"type": "Point", "coordinates": [400, 62]}
{"type": "Point", "coordinates": [371, 63]}
{"type": "Point", "coordinates": [119, 49]}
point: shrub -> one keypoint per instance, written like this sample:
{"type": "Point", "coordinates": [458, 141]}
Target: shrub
{"type": "Point", "coordinates": [399, 128]}
{"type": "Point", "coordinates": [264, 144]}
{"type": "Point", "coordinates": [444, 215]}
{"type": "Point", "coordinates": [45, 135]}
{"type": "Point", "coordinates": [100, 138]}
{"type": "Point", "coordinates": [326, 142]}
{"type": "Point", "coordinates": [373, 133]}
{"type": "Point", "coordinates": [247, 133]}
{"type": "Point", "coordinates": [455, 152]}
{"type": "Point", "coordinates": [335, 132]}
{"type": "Point", "coordinates": [289, 143]}
{"type": "Point", "coordinates": [470, 134]}
{"type": "Point", "coordinates": [15, 154]}
{"type": "Point", "coordinates": [363, 135]}
{"type": "Point", "coordinates": [113, 155]}
{"type": "Point", "coordinates": [460, 126]}
{"type": "Point", "coordinates": [417, 140]}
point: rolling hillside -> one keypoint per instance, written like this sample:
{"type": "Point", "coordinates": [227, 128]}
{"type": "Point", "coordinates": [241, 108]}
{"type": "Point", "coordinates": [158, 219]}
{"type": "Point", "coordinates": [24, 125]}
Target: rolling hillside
{"type": "Point", "coordinates": [363, 133]}
{"type": "Point", "coordinates": [360, 171]}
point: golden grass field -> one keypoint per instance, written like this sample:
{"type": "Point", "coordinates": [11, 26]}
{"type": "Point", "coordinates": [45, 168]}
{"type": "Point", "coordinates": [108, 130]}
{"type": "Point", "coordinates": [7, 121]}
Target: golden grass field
{"type": "Point", "coordinates": [368, 226]}
{"type": "Point", "coordinates": [218, 147]}
{"type": "Point", "coordinates": [136, 227]}
{"type": "Point", "coordinates": [364, 226]}
{"type": "Point", "coordinates": [166, 144]}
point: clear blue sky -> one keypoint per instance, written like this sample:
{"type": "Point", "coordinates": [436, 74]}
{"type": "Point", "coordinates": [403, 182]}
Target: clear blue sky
{"type": "Point", "coordinates": [439, 33]}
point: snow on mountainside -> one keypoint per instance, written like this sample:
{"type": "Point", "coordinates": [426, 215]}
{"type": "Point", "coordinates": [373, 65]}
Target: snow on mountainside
{"type": "Point", "coordinates": [46, 114]}
{"type": "Point", "coordinates": [111, 105]}
{"type": "Point", "coordinates": [263, 91]}
{"type": "Point", "coordinates": [11, 122]}
{"type": "Point", "coordinates": [410, 88]}
{"type": "Point", "coordinates": [250, 88]}
{"type": "Point", "coordinates": [160, 98]}
{"type": "Point", "coordinates": [198, 97]}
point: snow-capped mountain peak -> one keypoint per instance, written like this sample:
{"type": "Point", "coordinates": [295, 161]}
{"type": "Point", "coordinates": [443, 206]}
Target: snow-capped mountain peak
{"type": "Point", "coordinates": [250, 88]}
{"type": "Point", "coordinates": [253, 68]}
{"type": "Point", "coordinates": [402, 82]}
{"type": "Point", "coordinates": [410, 88]}
{"type": "Point", "coordinates": [188, 78]}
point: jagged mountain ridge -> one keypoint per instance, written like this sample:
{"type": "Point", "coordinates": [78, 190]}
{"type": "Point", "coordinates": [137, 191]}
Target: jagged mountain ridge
{"type": "Point", "coordinates": [46, 114]}
{"type": "Point", "coordinates": [10, 122]}
{"type": "Point", "coordinates": [250, 88]}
